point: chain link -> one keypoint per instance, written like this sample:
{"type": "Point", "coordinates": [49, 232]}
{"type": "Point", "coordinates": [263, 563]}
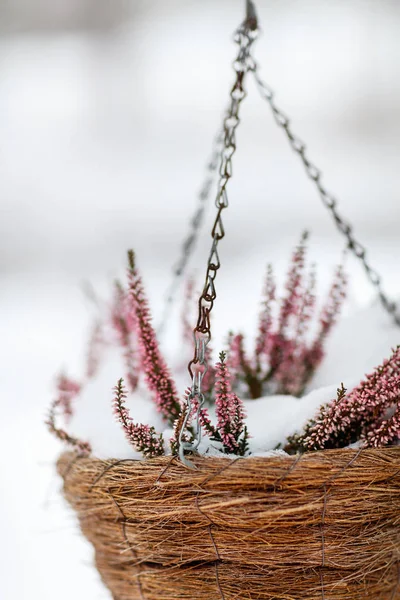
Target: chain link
{"type": "Point", "coordinates": [244, 37]}
{"type": "Point", "coordinates": [194, 229]}
{"type": "Point", "coordinates": [328, 200]}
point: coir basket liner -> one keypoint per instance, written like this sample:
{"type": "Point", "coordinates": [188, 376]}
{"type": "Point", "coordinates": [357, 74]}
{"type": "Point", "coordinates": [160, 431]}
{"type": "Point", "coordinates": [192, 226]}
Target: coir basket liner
{"type": "Point", "coordinates": [324, 525]}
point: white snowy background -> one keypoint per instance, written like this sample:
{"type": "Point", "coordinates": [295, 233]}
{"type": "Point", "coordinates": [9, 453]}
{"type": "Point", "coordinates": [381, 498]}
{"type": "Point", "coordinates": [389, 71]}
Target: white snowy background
{"type": "Point", "coordinates": [107, 111]}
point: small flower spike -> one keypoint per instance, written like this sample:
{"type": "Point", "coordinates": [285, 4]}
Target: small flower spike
{"type": "Point", "coordinates": [156, 371]}
{"type": "Point", "coordinates": [291, 302]}
{"type": "Point", "coordinates": [385, 433]}
{"type": "Point", "coordinates": [67, 389]}
{"type": "Point", "coordinates": [330, 311]}
{"type": "Point", "coordinates": [285, 358]}
{"type": "Point", "coordinates": [83, 448]}
{"type": "Point", "coordinates": [265, 320]}
{"type": "Point", "coordinates": [94, 350]}
{"type": "Point", "coordinates": [360, 415]}
{"type": "Point", "coordinates": [142, 437]}
{"type": "Point", "coordinates": [123, 327]}
{"type": "Point", "coordinates": [229, 410]}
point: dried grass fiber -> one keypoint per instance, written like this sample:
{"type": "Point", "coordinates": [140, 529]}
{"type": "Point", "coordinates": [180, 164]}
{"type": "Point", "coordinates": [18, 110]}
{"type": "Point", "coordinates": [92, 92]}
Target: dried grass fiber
{"type": "Point", "coordinates": [321, 526]}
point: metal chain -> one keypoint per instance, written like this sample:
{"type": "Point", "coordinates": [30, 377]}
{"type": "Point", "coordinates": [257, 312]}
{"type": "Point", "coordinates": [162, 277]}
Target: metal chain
{"type": "Point", "coordinates": [328, 200]}
{"type": "Point", "coordinates": [194, 229]}
{"type": "Point", "coordinates": [244, 37]}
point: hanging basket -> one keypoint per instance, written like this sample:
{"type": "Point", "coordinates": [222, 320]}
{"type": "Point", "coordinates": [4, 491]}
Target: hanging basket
{"type": "Point", "coordinates": [316, 526]}
{"type": "Point", "coordinates": [322, 525]}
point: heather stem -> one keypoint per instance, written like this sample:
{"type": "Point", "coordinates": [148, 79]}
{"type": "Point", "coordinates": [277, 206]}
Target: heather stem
{"type": "Point", "coordinates": [290, 303]}
{"type": "Point", "coordinates": [265, 321]}
{"type": "Point", "coordinates": [229, 410]}
{"type": "Point", "coordinates": [94, 350]}
{"type": "Point", "coordinates": [122, 325]}
{"type": "Point", "coordinates": [142, 437]}
{"type": "Point", "coordinates": [157, 373]}
{"type": "Point", "coordinates": [82, 447]}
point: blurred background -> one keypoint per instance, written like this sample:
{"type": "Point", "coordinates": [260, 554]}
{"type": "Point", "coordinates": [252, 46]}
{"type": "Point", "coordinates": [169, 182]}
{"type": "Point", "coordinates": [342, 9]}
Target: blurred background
{"type": "Point", "coordinates": [107, 114]}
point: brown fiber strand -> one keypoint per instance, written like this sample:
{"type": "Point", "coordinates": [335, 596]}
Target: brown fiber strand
{"type": "Point", "coordinates": [211, 524]}
{"type": "Point", "coordinates": [275, 528]}
{"type": "Point", "coordinates": [166, 468]}
{"type": "Point", "coordinates": [123, 528]}
{"type": "Point", "coordinates": [321, 578]}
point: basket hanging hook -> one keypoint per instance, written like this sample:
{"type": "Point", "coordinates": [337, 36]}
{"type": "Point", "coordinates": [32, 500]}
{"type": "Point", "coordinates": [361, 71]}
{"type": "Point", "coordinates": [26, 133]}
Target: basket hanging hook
{"type": "Point", "coordinates": [244, 37]}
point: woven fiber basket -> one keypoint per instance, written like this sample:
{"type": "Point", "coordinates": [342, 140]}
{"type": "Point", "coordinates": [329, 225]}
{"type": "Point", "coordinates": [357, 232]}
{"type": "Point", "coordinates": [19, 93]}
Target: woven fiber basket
{"type": "Point", "coordinates": [320, 526]}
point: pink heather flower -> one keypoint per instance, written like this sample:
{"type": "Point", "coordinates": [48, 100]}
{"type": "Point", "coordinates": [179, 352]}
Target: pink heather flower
{"type": "Point", "coordinates": [157, 373]}
{"type": "Point", "coordinates": [327, 421]}
{"type": "Point", "coordinates": [295, 309]}
{"type": "Point", "coordinates": [366, 400]}
{"type": "Point", "coordinates": [298, 368]}
{"type": "Point", "coordinates": [384, 433]}
{"type": "Point", "coordinates": [355, 416]}
{"type": "Point", "coordinates": [287, 377]}
{"type": "Point", "coordinates": [329, 315]}
{"type": "Point", "coordinates": [123, 325]}
{"type": "Point", "coordinates": [306, 307]}
{"type": "Point", "coordinates": [142, 437]}
{"type": "Point", "coordinates": [238, 417]}
{"type": "Point", "coordinates": [293, 368]}
{"type": "Point", "coordinates": [82, 447]}
{"type": "Point", "coordinates": [68, 385]}
{"type": "Point", "coordinates": [265, 321]}
{"type": "Point", "coordinates": [94, 350]}
{"type": "Point", "coordinates": [290, 304]}
{"type": "Point", "coordinates": [374, 395]}
{"type": "Point", "coordinates": [234, 354]}
{"type": "Point", "coordinates": [332, 308]}
{"type": "Point", "coordinates": [284, 360]}
{"type": "Point", "coordinates": [229, 409]}
{"type": "Point", "coordinates": [67, 389]}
